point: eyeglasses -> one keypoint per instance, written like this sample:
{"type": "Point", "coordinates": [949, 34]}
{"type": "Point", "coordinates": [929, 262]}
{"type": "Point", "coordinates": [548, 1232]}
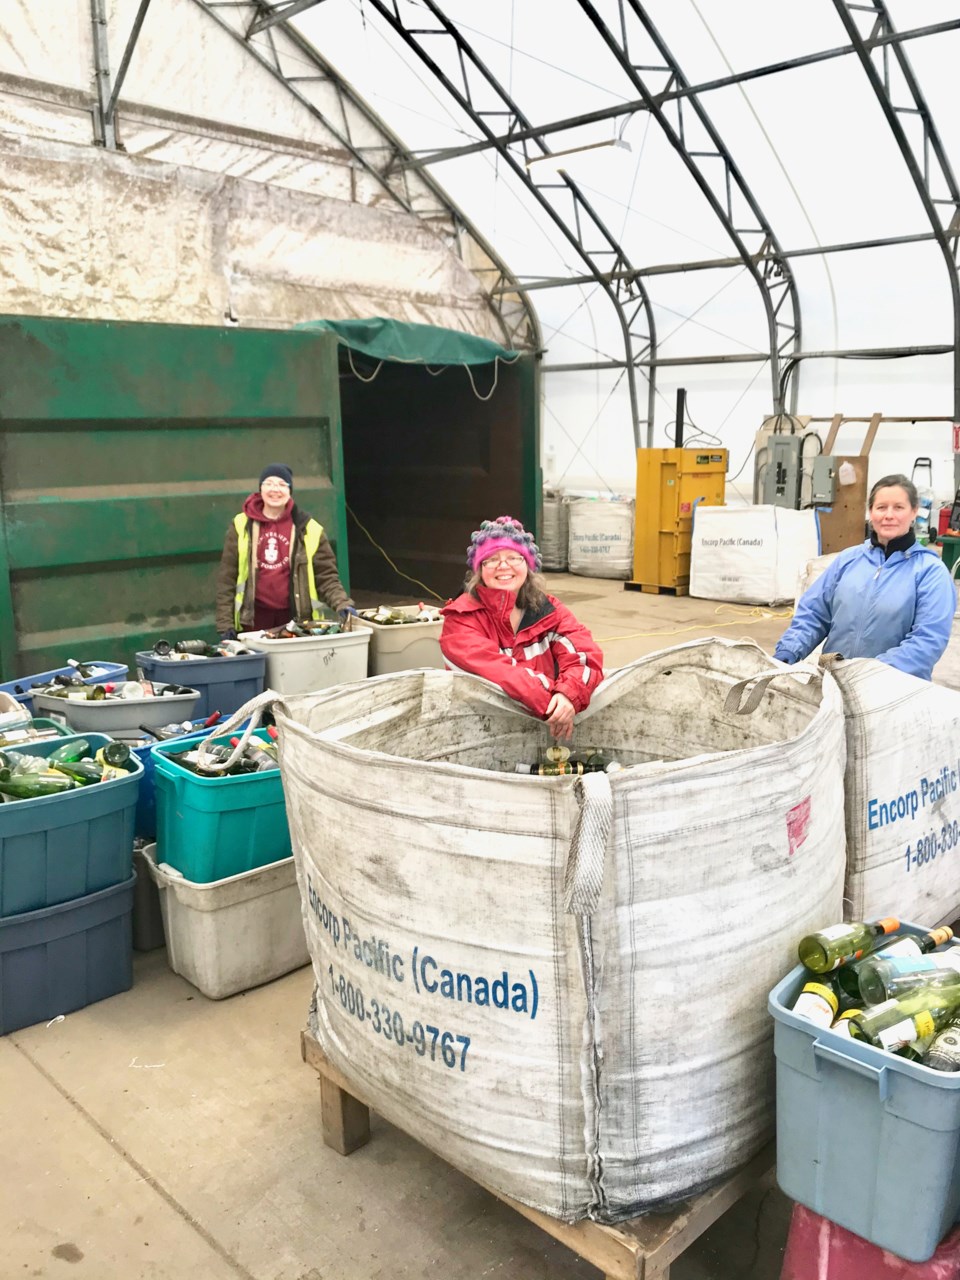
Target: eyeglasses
{"type": "Point", "coordinates": [503, 558]}
{"type": "Point", "coordinates": [270, 483]}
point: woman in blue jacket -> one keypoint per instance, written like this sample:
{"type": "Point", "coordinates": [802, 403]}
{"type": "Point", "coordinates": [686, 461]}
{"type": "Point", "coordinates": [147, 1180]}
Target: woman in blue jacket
{"type": "Point", "coordinates": [889, 598]}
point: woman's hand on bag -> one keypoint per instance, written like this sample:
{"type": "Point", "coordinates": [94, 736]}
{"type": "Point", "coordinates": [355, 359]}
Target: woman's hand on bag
{"type": "Point", "coordinates": [559, 717]}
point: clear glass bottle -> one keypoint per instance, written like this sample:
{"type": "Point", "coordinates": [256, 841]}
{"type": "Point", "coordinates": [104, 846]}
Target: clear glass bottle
{"type": "Point", "coordinates": [838, 944]}
{"type": "Point", "coordinates": [894, 1023]}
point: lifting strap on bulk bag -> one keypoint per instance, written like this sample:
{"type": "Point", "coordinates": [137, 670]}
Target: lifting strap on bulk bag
{"type": "Point", "coordinates": [583, 875]}
{"type": "Point", "coordinates": [733, 703]}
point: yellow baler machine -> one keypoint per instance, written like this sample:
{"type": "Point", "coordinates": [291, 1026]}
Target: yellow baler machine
{"type": "Point", "coordinates": [671, 484]}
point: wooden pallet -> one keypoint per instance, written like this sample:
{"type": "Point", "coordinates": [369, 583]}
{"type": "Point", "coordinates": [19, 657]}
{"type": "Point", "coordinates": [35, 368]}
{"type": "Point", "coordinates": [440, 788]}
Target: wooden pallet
{"type": "Point", "coordinates": [653, 589]}
{"type": "Point", "coordinates": [641, 1249]}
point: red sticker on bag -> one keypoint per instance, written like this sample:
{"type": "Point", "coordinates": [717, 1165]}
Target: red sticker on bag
{"type": "Point", "coordinates": [798, 822]}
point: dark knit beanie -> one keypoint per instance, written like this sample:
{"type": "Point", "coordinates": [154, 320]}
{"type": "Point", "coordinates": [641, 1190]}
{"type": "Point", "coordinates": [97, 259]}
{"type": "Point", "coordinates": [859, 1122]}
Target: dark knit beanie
{"type": "Point", "coordinates": [280, 470]}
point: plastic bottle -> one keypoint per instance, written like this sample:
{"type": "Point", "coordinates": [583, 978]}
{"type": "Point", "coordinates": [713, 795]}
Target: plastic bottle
{"type": "Point", "coordinates": [838, 944]}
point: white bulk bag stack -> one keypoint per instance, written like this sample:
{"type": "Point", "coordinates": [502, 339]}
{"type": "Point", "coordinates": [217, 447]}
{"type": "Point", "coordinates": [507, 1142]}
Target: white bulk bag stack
{"type": "Point", "coordinates": [560, 984]}
{"type": "Point", "coordinates": [601, 538]}
{"type": "Point", "coordinates": [750, 555]}
{"type": "Point", "coordinates": [902, 793]}
{"type": "Point", "coordinates": [555, 533]}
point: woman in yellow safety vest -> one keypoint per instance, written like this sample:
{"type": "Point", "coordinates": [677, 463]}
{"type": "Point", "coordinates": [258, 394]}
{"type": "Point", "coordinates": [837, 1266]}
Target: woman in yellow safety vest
{"type": "Point", "coordinates": [277, 562]}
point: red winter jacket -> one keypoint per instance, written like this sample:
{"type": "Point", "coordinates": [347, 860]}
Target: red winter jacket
{"type": "Point", "coordinates": [550, 653]}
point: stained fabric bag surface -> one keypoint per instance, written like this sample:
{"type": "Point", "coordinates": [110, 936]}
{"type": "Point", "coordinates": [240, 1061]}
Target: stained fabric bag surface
{"type": "Point", "coordinates": [902, 793]}
{"type": "Point", "coordinates": [559, 984]}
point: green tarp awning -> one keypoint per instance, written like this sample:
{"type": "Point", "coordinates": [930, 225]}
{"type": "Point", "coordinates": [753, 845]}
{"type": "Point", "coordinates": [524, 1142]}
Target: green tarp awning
{"type": "Point", "coordinates": [412, 343]}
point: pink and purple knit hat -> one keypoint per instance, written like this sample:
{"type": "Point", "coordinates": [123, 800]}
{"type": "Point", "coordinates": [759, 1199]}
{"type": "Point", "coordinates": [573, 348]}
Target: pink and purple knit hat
{"type": "Point", "coordinates": [503, 534]}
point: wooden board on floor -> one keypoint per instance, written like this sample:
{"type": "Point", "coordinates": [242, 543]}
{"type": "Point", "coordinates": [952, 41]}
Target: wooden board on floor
{"type": "Point", "coordinates": [641, 1249]}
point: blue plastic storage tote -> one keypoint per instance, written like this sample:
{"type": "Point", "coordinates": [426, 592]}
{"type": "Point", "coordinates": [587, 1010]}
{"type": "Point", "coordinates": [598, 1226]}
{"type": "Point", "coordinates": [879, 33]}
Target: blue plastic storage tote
{"type": "Point", "coordinates": [145, 823]}
{"type": "Point", "coordinates": [225, 684]}
{"type": "Point", "coordinates": [865, 1138]}
{"type": "Point", "coordinates": [56, 848]}
{"type": "Point", "coordinates": [211, 828]}
{"type": "Point", "coordinates": [63, 958]}
{"type": "Point", "coordinates": [109, 673]}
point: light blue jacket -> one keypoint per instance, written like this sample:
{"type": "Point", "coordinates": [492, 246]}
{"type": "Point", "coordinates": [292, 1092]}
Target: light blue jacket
{"type": "Point", "coordinates": [899, 610]}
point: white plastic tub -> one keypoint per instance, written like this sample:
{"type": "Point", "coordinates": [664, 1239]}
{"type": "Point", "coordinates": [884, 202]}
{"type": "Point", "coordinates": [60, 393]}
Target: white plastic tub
{"type": "Point", "coordinates": [233, 934]}
{"type": "Point", "coordinates": [405, 646]}
{"type": "Point", "coordinates": [118, 715]}
{"type": "Point", "coordinates": [306, 663]}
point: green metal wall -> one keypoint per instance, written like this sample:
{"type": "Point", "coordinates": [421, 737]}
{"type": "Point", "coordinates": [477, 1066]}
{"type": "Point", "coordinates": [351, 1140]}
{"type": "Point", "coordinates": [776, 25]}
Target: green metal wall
{"type": "Point", "coordinates": [125, 451]}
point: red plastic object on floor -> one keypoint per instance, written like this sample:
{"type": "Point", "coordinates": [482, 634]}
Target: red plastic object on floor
{"type": "Point", "coordinates": [943, 519]}
{"type": "Point", "coordinates": [818, 1249]}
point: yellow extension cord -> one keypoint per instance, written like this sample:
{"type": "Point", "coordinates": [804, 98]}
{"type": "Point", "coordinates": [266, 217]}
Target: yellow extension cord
{"type": "Point", "coordinates": [373, 541]}
{"type": "Point", "coordinates": [745, 618]}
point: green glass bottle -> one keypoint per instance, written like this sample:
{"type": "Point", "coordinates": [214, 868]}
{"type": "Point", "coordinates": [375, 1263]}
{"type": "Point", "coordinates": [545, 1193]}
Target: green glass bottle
{"type": "Point", "coordinates": [81, 771]}
{"type": "Point", "coordinates": [846, 1026]}
{"type": "Point", "coordinates": [30, 786]}
{"type": "Point", "coordinates": [829, 948]}
{"type": "Point", "coordinates": [115, 753]}
{"type": "Point", "coordinates": [894, 1023]}
{"type": "Point", "coordinates": [70, 751]}
{"type": "Point", "coordinates": [887, 976]}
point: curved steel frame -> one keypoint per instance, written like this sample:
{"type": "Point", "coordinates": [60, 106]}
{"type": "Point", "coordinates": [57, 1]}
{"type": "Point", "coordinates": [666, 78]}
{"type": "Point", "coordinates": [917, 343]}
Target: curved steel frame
{"type": "Point", "coordinates": [618, 280]}
{"type": "Point", "coordinates": [506, 297]}
{"type": "Point", "coordinates": [570, 211]}
{"type": "Point", "coordinates": [930, 147]}
{"type": "Point", "coordinates": [766, 264]}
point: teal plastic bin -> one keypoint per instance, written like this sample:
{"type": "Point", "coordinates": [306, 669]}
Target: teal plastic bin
{"type": "Point", "coordinates": [211, 828]}
{"type": "Point", "coordinates": [865, 1138]}
{"type": "Point", "coordinates": [57, 848]}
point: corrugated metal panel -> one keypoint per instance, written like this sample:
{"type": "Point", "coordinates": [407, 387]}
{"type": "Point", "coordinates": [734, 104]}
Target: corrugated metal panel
{"type": "Point", "coordinates": [125, 450]}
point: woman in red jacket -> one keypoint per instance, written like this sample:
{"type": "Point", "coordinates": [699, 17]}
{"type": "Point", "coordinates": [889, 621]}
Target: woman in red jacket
{"type": "Point", "coordinates": [507, 629]}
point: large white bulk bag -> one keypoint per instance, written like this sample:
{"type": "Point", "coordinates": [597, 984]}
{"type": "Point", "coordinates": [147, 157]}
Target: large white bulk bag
{"type": "Point", "coordinates": [750, 555]}
{"type": "Point", "coordinates": [555, 532]}
{"type": "Point", "coordinates": [560, 984]}
{"type": "Point", "coordinates": [947, 670]}
{"type": "Point", "coordinates": [809, 572]}
{"type": "Point", "coordinates": [600, 540]}
{"type": "Point", "coordinates": [902, 793]}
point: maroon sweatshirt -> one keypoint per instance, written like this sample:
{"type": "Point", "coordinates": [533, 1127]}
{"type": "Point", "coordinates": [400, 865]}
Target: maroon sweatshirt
{"type": "Point", "coordinates": [274, 546]}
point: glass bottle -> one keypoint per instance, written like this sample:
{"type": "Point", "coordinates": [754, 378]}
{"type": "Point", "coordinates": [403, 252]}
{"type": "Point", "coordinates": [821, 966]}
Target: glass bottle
{"type": "Point", "coordinates": [846, 1026]}
{"type": "Point", "coordinates": [943, 1053]}
{"type": "Point", "coordinates": [884, 976]}
{"type": "Point", "coordinates": [31, 786]}
{"type": "Point", "coordinates": [898, 1022]}
{"type": "Point", "coordinates": [818, 1003]}
{"type": "Point", "coordinates": [83, 772]}
{"type": "Point", "coordinates": [838, 944]}
{"type": "Point", "coordinates": [70, 751]}
{"type": "Point", "coordinates": [114, 753]}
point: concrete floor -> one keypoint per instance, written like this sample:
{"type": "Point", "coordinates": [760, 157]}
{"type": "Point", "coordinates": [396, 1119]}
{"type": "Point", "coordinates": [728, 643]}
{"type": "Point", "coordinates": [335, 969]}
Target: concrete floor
{"type": "Point", "coordinates": [162, 1135]}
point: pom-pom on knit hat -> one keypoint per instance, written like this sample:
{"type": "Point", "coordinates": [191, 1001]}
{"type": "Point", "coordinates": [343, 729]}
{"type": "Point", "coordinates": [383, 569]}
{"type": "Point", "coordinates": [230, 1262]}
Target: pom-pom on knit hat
{"type": "Point", "coordinates": [280, 470]}
{"type": "Point", "coordinates": [503, 534]}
